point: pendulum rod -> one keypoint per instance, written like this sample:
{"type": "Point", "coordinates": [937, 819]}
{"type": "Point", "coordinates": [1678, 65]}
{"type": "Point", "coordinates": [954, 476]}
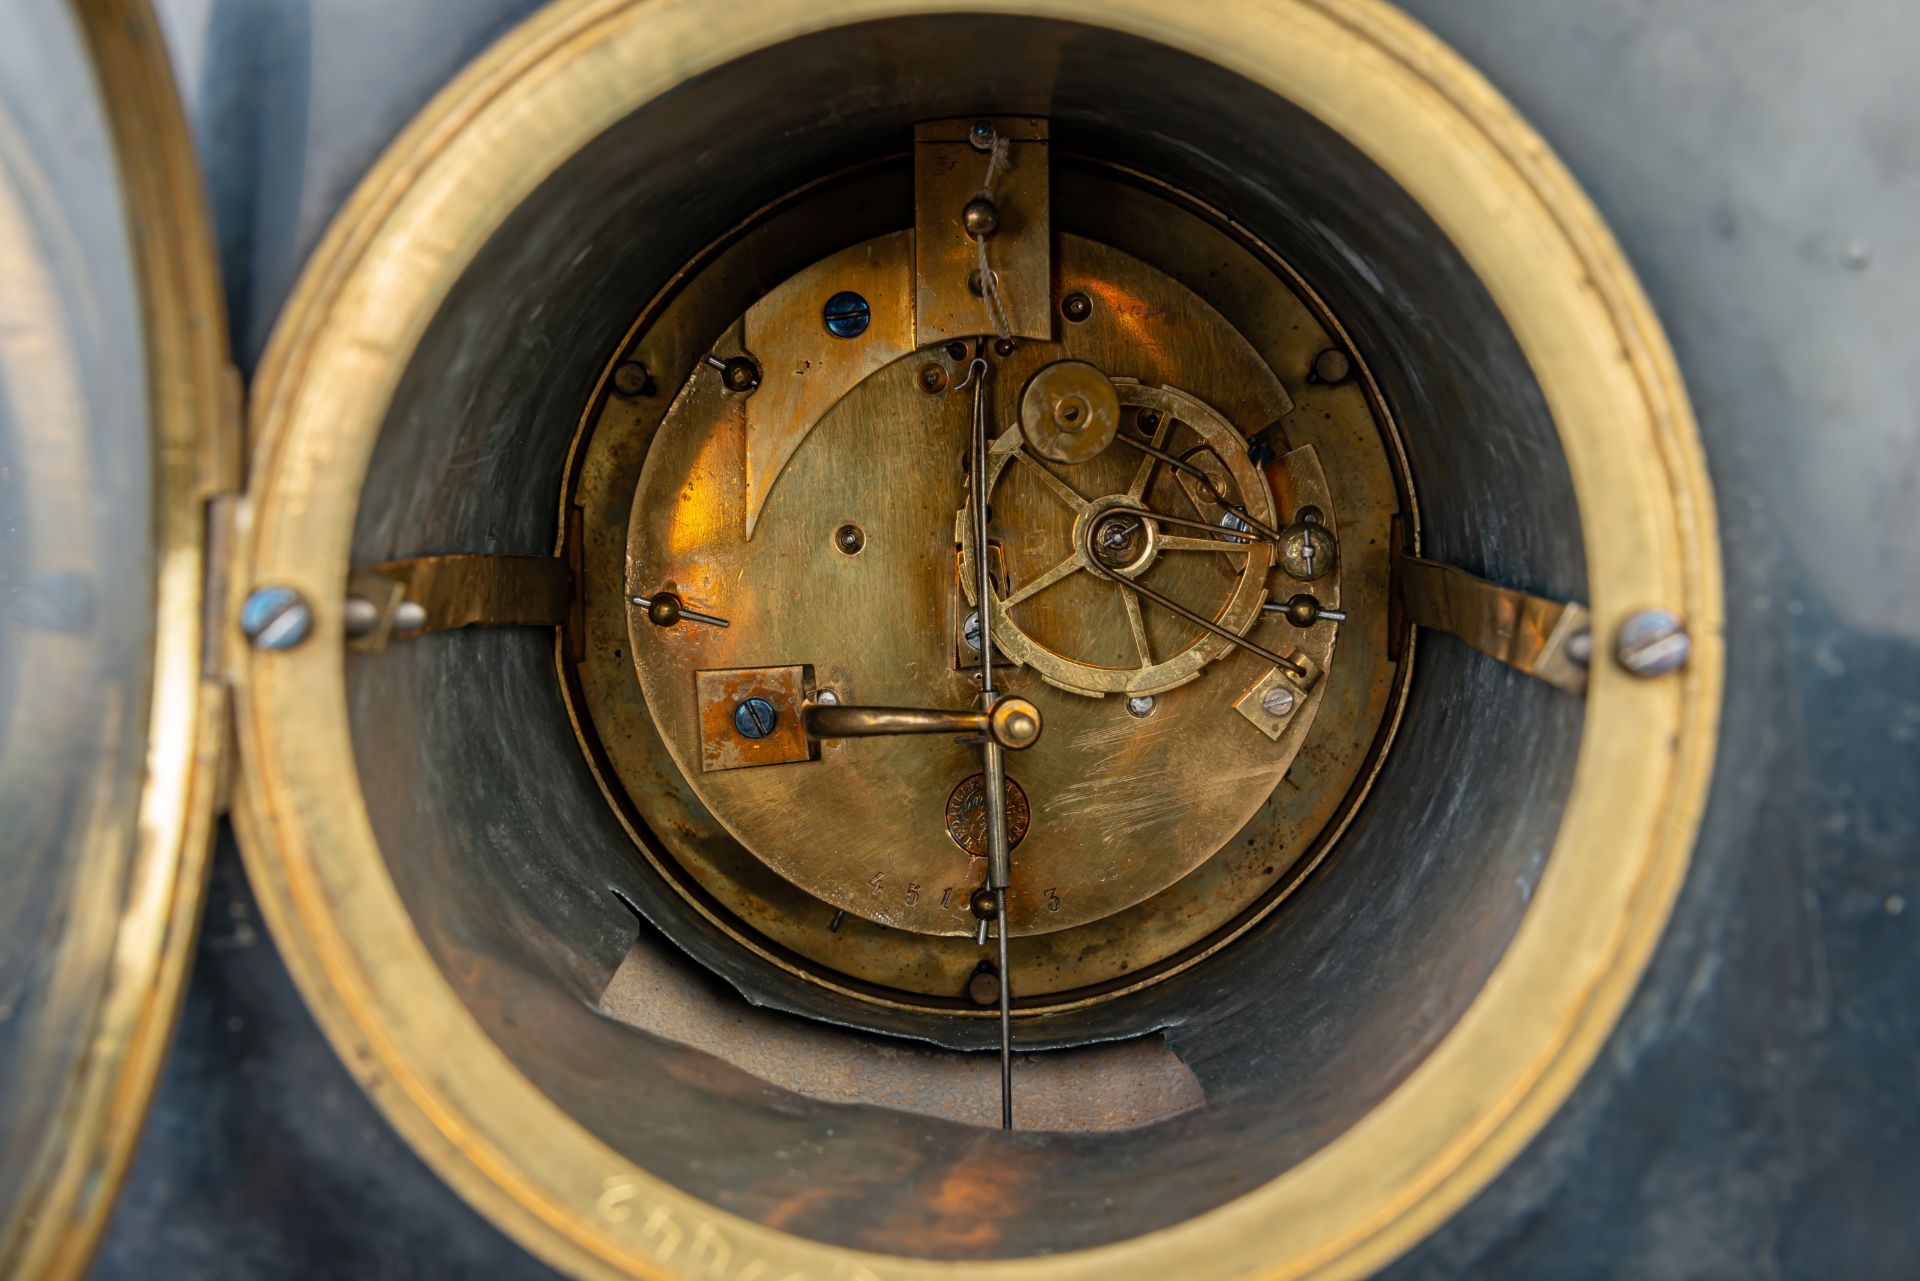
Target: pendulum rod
{"type": "Point", "coordinates": [999, 855]}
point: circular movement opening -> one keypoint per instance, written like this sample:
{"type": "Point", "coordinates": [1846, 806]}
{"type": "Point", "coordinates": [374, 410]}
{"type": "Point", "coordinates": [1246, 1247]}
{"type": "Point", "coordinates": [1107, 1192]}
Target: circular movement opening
{"type": "Point", "coordinates": [688, 411]}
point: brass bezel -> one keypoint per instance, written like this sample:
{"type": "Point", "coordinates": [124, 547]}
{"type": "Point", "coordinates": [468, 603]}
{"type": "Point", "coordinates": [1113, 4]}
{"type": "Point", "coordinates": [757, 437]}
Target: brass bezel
{"type": "Point", "coordinates": [1609, 379]}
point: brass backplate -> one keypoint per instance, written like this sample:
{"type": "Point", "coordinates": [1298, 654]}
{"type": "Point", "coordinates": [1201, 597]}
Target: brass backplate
{"type": "Point", "coordinates": [1122, 807]}
{"type": "Point", "coordinates": [888, 460]}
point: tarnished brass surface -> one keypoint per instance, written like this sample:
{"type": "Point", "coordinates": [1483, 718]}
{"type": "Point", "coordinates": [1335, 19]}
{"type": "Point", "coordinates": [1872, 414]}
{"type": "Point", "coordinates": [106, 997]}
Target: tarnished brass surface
{"type": "Point", "coordinates": [1122, 808]}
{"type": "Point", "coordinates": [1520, 630]}
{"type": "Point", "coordinates": [784, 924]}
{"type": "Point", "coordinates": [948, 171]}
{"type": "Point", "coordinates": [1069, 412]}
{"type": "Point", "coordinates": [803, 369]}
{"type": "Point", "coordinates": [717, 694]}
{"type": "Point", "coordinates": [463, 590]}
{"type": "Point", "coordinates": [1544, 256]}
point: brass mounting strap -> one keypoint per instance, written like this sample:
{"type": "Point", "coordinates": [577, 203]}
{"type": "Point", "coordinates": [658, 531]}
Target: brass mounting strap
{"type": "Point", "coordinates": [406, 598]}
{"type": "Point", "coordinates": [1548, 639]}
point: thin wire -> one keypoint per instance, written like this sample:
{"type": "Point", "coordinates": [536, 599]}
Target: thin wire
{"type": "Point", "coordinates": [1006, 1016]}
{"type": "Point", "coordinates": [998, 158]}
{"type": "Point", "coordinates": [993, 773]}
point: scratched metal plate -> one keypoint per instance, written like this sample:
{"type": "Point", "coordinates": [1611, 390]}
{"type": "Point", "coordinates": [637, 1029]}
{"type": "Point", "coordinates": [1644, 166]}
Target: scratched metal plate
{"type": "Point", "coordinates": [1123, 806]}
{"type": "Point", "coordinates": [795, 930]}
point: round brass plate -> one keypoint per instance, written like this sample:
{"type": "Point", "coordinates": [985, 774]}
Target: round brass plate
{"type": "Point", "coordinates": [1123, 808]}
{"type": "Point", "coordinates": [784, 925]}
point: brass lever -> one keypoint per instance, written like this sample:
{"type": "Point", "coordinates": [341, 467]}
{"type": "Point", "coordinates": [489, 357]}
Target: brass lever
{"type": "Point", "coordinates": [1014, 723]}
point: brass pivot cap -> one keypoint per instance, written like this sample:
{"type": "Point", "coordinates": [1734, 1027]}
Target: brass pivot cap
{"type": "Point", "coordinates": [1014, 723]}
{"type": "Point", "coordinates": [1069, 412]}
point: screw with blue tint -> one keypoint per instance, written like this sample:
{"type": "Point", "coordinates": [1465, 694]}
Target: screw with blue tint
{"type": "Point", "coordinates": [847, 314]}
{"type": "Point", "coordinates": [755, 717]}
{"type": "Point", "coordinates": [276, 618]}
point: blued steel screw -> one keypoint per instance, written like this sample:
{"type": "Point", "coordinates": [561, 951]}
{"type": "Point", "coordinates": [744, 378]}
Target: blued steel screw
{"type": "Point", "coordinates": [755, 717]}
{"type": "Point", "coordinates": [847, 314]}
{"type": "Point", "coordinates": [276, 618]}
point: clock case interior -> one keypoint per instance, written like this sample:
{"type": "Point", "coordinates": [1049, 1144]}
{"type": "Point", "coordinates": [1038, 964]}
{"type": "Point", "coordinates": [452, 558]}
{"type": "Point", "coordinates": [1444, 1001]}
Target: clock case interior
{"type": "Point", "coordinates": [636, 1005]}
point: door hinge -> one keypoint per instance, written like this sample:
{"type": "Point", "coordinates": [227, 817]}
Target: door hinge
{"type": "Point", "coordinates": [222, 489]}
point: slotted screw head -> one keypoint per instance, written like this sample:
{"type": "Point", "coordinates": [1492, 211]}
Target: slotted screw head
{"type": "Point", "coordinates": [1653, 642]}
{"type": "Point", "coordinates": [755, 717]}
{"type": "Point", "coordinates": [276, 618]}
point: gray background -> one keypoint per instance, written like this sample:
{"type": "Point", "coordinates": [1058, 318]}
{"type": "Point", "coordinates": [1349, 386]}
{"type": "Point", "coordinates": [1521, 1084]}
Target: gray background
{"type": "Point", "coordinates": [1758, 1112]}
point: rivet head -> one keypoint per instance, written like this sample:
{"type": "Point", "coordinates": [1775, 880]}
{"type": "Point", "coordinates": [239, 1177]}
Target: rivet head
{"type": "Point", "coordinates": [1076, 307]}
{"type": "Point", "coordinates": [846, 314]}
{"type": "Point", "coordinates": [1653, 642]}
{"type": "Point", "coordinates": [849, 539]}
{"type": "Point", "coordinates": [276, 618]}
{"type": "Point", "coordinates": [755, 717]}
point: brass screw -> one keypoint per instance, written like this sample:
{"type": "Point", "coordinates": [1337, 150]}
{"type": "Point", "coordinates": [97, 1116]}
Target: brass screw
{"type": "Point", "coordinates": [1003, 347]}
{"type": "Point", "coordinates": [740, 374]}
{"type": "Point", "coordinates": [1332, 366]}
{"type": "Point", "coordinates": [933, 379]}
{"type": "Point", "coordinates": [631, 378]}
{"type": "Point", "coordinates": [984, 987]}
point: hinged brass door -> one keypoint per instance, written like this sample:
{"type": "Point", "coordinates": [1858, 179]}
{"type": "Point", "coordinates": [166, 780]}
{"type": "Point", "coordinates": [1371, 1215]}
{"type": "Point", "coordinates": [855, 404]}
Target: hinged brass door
{"type": "Point", "coordinates": [118, 426]}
